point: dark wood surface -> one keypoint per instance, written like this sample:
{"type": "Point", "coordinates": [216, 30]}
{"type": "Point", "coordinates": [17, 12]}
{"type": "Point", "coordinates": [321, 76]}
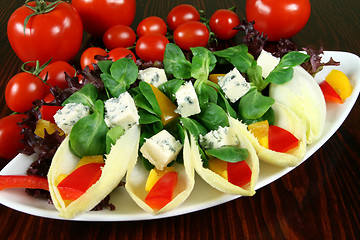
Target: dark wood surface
{"type": "Point", "coordinates": [318, 200]}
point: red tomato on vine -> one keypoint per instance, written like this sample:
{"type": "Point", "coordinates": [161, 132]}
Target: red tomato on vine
{"type": "Point", "coordinates": [278, 19]}
{"type": "Point", "coordinates": [191, 34]}
{"type": "Point", "coordinates": [119, 36]}
{"type": "Point", "coordinates": [151, 47]}
{"type": "Point", "coordinates": [181, 14]}
{"type": "Point", "coordinates": [56, 32]}
{"type": "Point", "coordinates": [222, 23]}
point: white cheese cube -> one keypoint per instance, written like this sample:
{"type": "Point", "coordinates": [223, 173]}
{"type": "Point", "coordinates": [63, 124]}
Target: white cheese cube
{"type": "Point", "coordinates": [66, 117]}
{"type": "Point", "coordinates": [152, 75]}
{"type": "Point", "coordinates": [267, 62]}
{"type": "Point", "coordinates": [224, 136]}
{"type": "Point", "coordinates": [234, 85]}
{"type": "Point", "coordinates": [187, 100]}
{"type": "Point", "coordinates": [161, 149]}
{"type": "Point", "coordinates": [121, 111]}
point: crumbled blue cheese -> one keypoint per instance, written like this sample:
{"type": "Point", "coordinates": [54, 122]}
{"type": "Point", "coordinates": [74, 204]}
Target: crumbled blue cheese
{"type": "Point", "coordinates": [224, 136]}
{"type": "Point", "coordinates": [121, 111]}
{"type": "Point", "coordinates": [187, 100]}
{"type": "Point", "coordinates": [234, 85]}
{"type": "Point", "coordinates": [66, 117]}
{"type": "Point", "coordinates": [152, 75]}
{"type": "Point", "coordinates": [267, 62]}
{"type": "Point", "coordinates": [161, 149]}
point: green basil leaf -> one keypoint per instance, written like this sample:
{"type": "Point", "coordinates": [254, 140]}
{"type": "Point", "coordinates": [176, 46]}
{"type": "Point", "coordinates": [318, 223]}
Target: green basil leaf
{"type": "Point", "coordinates": [212, 116]}
{"type": "Point", "coordinates": [142, 102]}
{"type": "Point", "coordinates": [206, 93]}
{"type": "Point", "coordinates": [237, 56]}
{"type": "Point", "coordinates": [123, 73]}
{"type": "Point", "coordinates": [253, 104]}
{"type": "Point", "coordinates": [148, 93]}
{"type": "Point", "coordinates": [112, 136]}
{"type": "Point", "coordinates": [175, 62]}
{"type": "Point", "coordinates": [280, 76]}
{"type": "Point", "coordinates": [147, 118]}
{"type": "Point", "coordinates": [87, 96]}
{"type": "Point", "coordinates": [292, 59]}
{"type": "Point", "coordinates": [269, 116]}
{"type": "Point", "coordinates": [224, 104]}
{"type": "Point", "coordinates": [170, 87]}
{"type": "Point", "coordinates": [254, 74]}
{"type": "Point", "coordinates": [194, 127]}
{"type": "Point", "coordinates": [88, 135]}
{"type": "Point", "coordinates": [105, 66]}
{"type": "Point", "coordinates": [229, 153]}
{"type": "Point", "coordinates": [203, 62]}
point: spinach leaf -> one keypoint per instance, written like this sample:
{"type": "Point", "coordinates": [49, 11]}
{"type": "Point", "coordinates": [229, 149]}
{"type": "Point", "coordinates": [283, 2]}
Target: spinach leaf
{"type": "Point", "coordinates": [206, 93]}
{"type": "Point", "coordinates": [253, 104]}
{"type": "Point", "coordinates": [150, 122]}
{"type": "Point", "coordinates": [87, 96]}
{"type": "Point", "coordinates": [194, 127]}
{"type": "Point", "coordinates": [170, 87]}
{"type": "Point", "coordinates": [254, 74]}
{"type": "Point", "coordinates": [284, 71]}
{"type": "Point", "coordinates": [212, 116]}
{"type": "Point", "coordinates": [229, 153]}
{"type": "Point", "coordinates": [143, 103]}
{"type": "Point", "coordinates": [120, 76]}
{"type": "Point", "coordinates": [175, 62]}
{"type": "Point", "coordinates": [88, 135]}
{"type": "Point", "coordinates": [105, 66]}
{"type": "Point", "coordinates": [269, 115]}
{"type": "Point", "coordinates": [224, 104]}
{"type": "Point", "coordinates": [203, 62]}
{"type": "Point", "coordinates": [112, 136]}
{"type": "Point", "coordinates": [238, 56]}
{"type": "Point", "coordinates": [148, 93]}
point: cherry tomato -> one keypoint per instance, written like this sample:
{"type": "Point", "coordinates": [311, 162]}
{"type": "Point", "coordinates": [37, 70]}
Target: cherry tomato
{"type": "Point", "coordinates": [119, 36]}
{"type": "Point", "coordinates": [55, 74]}
{"type": "Point", "coordinates": [278, 19]}
{"type": "Point", "coordinates": [99, 15]}
{"type": "Point", "coordinates": [151, 47]}
{"type": "Point", "coordinates": [181, 14]}
{"type": "Point", "coordinates": [10, 135]}
{"type": "Point", "coordinates": [191, 34]}
{"type": "Point", "coordinates": [87, 57]}
{"type": "Point", "coordinates": [118, 53]}
{"type": "Point", "coordinates": [151, 25]}
{"type": "Point", "coordinates": [56, 34]}
{"type": "Point", "coordinates": [222, 23]}
{"type": "Point", "coordinates": [22, 90]}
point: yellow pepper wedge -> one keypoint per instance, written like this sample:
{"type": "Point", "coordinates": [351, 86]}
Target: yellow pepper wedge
{"type": "Point", "coordinates": [340, 83]}
{"type": "Point", "coordinates": [219, 167]}
{"type": "Point", "coordinates": [215, 77]}
{"type": "Point", "coordinates": [50, 128]}
{"type": "Point", "coordinates": [261, 131]}
{"type": "Point", "coordinates": [155, 175]}
{"type": "Point", "coordinates": [166, 105]}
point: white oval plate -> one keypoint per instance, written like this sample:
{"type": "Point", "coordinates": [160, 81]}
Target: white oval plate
{"type": "Point", "coordinates": [203, 196]}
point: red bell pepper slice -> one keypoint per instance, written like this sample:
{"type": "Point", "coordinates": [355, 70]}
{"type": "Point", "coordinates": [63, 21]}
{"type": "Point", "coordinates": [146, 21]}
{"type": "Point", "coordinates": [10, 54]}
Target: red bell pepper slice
{"type": "Point", "coordinates": [161, 193]}
{"type": "Point", "coordinates": [281, 140]}
{"type": "Point", "coordinates": [23, 181]}
{"type": "Point", "coordinates": [48, 112]}
{"type": "Point", "coordinates": [239, 173]}
{"type": "Point", "coordinates": [329, 93]}
{"type": "Point", "coordinates": [79, 181]}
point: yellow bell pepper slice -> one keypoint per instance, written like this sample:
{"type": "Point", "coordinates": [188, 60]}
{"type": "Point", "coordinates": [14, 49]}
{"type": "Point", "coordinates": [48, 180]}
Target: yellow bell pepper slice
{"type": "Point", "coordinates": [261, 131]}
{"type": "Point", "coordinates": [219, 167]}
{"type": "Point", "coordinates": [167, 107]}
{"type": "Point", "coordinates": [155, 175]}
{"type": "Point", "coordinates": [215, 77]}
{"type": "Point", "coordinates": [50, 128]}
{"type": "Point", "coordinates": [340, 83]}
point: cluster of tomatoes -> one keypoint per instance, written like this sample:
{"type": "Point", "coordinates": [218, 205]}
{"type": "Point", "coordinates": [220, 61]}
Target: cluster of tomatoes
{"type": "Point", "coordinates": [40, 32]}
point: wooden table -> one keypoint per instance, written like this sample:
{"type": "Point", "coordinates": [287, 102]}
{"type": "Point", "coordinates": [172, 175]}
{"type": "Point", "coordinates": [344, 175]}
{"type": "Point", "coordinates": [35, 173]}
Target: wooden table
{"type": "Point", "coordinates": [317, 200]}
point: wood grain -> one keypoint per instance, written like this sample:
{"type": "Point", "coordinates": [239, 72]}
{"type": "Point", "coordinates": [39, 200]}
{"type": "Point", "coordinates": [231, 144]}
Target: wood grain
{"type": "Point", "coordinates": [317, 200]}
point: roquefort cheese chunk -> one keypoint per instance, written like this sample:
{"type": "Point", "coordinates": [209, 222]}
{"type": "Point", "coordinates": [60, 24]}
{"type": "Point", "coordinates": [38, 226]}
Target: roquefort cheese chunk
{"type": "Point", "coordinates": [66, 117]}
{"type": "Point", "coordinates": [267, 62]}
{"type": "Point", "coordinates": [152, 75]}
{"type": "Point", "coordinates": [234, 85]}
{"type": "Point", "coordinates": [218, 138]}
{"type": "Point", "coordinates": [187, 100]}
{"type": "Point", "coordinates": [161, 149]}
{"type": "Point", "coordinates": [121, 111]}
